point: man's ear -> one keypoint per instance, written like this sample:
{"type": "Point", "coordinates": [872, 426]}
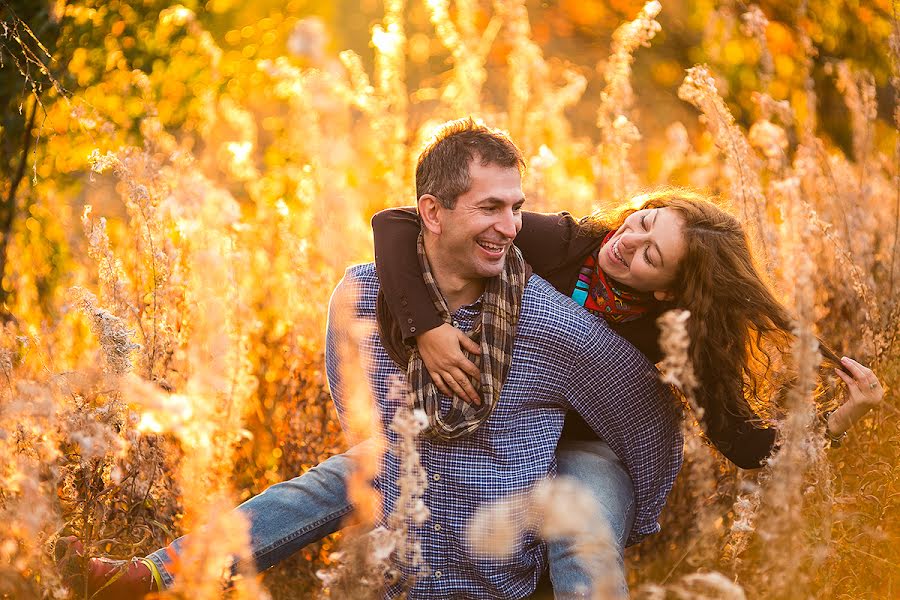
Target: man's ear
{"type": "Point", "coordinates": [664, 295]}
{"type": "Point", "coordinates": [430, 212]}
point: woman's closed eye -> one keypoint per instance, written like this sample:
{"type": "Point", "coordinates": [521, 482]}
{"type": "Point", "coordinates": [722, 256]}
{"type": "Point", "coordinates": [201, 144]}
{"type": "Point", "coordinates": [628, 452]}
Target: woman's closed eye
{"type": "Point", "coordinates": [647, 247]}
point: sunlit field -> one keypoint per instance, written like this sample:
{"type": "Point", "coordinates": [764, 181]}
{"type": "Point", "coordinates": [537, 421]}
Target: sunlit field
{"type": "Point", "coordinates": [183, 186]}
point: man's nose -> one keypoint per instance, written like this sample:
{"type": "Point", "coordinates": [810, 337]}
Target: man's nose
{"type": "Point", "coordinates": [509, 224]}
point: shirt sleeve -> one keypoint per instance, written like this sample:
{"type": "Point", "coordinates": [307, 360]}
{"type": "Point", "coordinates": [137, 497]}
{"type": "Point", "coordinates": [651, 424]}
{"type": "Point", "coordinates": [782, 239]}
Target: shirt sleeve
{"type": "Point", "coordinates": [396, 231]}
{"type": "Point", "coordinates": [738, 438]}
{"type": "Point", "coordinates": [619, 394]}
{"type": "Point", "coordinates": [343, 310]}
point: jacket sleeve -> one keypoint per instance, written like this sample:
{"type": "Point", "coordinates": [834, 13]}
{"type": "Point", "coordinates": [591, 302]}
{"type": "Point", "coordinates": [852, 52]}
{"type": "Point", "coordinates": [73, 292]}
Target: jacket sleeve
{"type": "Point", "coordinates": [741, 441]}
{"type": "Point", "coordinates": [397, 263]}
{"type": "Point", "coordinates": [555, 245]}
{"type": "Point", "coordinates": [547, 240]}
{"type": "Point", "coordinates": [551, 243]}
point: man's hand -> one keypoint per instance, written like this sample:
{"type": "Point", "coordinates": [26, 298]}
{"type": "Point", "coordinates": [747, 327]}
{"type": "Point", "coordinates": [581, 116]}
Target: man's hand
{"type": "Point", "coordinates": [441, 351]}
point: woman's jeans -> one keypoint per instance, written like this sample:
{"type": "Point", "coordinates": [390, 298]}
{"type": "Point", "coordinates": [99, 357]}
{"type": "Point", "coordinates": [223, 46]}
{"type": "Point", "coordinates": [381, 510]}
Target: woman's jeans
{"type": "Point", "coordinates": [290, 515]}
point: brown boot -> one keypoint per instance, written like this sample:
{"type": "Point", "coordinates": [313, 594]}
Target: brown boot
{"type": "Point", "coordinates": [103, 578]}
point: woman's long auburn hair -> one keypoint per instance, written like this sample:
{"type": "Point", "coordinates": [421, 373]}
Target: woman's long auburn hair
{"type": "Point", "coordinates": [736, 320]}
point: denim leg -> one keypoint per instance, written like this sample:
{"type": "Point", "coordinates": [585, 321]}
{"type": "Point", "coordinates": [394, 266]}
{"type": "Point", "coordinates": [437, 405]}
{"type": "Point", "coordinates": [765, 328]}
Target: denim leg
{"type": "Point", "coordinates": [597, 468]}
{"type": "Point", "coordinates": [287, 516]}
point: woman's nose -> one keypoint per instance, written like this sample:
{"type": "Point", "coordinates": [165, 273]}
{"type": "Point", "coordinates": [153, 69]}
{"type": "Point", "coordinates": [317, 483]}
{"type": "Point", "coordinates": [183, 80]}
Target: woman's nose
{"type": "Point", "coordinates": [630, 240]}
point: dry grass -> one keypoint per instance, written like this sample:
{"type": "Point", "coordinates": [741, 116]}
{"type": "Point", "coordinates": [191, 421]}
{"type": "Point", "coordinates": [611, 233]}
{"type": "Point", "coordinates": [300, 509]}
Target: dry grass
{"type": "Point", "coordinates": [175, 366]}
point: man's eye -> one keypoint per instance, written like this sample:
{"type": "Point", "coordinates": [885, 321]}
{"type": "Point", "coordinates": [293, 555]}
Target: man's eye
{"type": "Point", "coordinates": [517, 209]}
{"type": "Point", "coordinates": [647, 257]}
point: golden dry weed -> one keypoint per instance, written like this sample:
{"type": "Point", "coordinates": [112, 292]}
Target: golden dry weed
{"type": "Point", "coordinates": [191, 213]}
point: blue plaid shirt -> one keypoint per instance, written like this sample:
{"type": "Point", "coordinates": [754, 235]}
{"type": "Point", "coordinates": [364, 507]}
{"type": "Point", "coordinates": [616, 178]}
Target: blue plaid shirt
{"type": "Point", "coordinates": [563, 359]}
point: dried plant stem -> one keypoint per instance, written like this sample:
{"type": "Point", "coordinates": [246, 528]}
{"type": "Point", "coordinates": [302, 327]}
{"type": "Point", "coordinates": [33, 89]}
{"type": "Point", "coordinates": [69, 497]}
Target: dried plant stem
{"type": "Point", "coordinates": [617, 133]}
{"type": "Point", "coordinates": [894, 44]}
{"type": "Point", "coordinates": [699, 88]}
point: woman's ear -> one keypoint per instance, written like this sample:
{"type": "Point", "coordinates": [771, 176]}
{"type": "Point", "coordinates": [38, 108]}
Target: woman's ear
{"type": "Point", "coordinates": [430, 213]}
{"type": "Point", "coordinates": [664, 295]}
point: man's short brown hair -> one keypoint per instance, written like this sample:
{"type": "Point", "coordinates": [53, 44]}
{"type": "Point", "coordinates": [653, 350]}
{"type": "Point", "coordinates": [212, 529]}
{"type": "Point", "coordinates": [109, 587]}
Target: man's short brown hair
{"type": "Point", "coordinates": [443, 167]}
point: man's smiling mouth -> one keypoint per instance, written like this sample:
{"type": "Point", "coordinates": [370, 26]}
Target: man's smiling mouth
{"type": "Point", "coordinates": [492, 248]}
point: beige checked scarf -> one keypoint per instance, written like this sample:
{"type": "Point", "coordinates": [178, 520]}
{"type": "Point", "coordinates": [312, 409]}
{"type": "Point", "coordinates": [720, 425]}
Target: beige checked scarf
{"type": "Point", "coordinates": [494, 330]}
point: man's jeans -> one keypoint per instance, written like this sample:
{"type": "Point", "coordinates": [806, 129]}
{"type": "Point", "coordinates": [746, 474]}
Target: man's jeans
{"type": "Point", "coordinates": [597, 468]}
{"type": "Point", "coordinates": [290, 515]}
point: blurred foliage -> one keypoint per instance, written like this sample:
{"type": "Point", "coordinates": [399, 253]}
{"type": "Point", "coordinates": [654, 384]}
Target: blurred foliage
{"type": "Point", "coordinates": [231, 155]}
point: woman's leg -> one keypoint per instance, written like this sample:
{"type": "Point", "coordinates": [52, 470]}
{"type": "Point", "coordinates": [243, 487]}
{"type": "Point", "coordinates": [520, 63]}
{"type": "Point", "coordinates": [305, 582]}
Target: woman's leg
{"type": "Point", "coordinates": [287, 516]}
{"type": "Point", "coordinates": [598, 469]}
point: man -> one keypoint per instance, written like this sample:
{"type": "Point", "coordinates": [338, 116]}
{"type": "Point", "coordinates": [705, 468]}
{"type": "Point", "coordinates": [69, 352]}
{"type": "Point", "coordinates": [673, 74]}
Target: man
{"type": "Point", "coordinates": [542, 357]}
{"type": "Point", "coordinates": [470, 196]}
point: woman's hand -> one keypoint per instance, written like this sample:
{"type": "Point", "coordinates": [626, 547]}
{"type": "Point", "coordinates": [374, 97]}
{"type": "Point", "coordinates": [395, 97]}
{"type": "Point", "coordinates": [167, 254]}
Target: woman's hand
{"type": "Point", "coordinates": [441, 351]}
{"type": "Point", "coordinates": [865, 393]}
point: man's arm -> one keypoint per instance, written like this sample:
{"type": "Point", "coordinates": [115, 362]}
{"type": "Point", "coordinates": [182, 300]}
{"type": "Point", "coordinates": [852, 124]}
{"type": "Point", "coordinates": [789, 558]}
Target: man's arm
{"type": "Point", "coordinates": [342, 351]}
{"type": "Point", "coordinates": [619, 394]}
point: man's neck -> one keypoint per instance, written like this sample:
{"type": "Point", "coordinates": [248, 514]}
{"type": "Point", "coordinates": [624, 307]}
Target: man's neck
{"type": "Point", "coordinates": [457, 291]}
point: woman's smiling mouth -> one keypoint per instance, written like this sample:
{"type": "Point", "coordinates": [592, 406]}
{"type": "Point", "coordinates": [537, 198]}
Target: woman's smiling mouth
{"type": "Point", "coordinates": [615, 254]}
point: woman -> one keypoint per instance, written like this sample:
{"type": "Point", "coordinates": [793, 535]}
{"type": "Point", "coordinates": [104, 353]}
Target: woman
{"type": "Point", "coordinates": [676, 250]}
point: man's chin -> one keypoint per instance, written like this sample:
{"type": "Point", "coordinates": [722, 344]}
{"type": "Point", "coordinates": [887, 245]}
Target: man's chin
{"type": "Point", "coordinates": [492, 270]}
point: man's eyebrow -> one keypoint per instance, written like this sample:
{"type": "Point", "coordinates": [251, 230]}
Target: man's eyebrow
{"type": "Point", "coordinates": [662, 262]}
{"type": "Point", "coordinates": [495, 200]}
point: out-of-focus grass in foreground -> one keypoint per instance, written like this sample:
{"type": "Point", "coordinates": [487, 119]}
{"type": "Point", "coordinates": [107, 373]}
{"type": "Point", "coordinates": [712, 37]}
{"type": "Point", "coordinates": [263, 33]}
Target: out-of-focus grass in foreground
{"type": "Point", "coordinates": [204, 173]}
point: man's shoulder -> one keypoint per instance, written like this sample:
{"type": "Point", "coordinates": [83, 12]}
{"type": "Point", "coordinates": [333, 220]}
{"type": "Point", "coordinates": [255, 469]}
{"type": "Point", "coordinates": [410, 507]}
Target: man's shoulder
{"type": "Point", "coordinates": [361, 274]}
{"type": "Point", "coordinates": [544, 304]}
{"type": "Point", "coordinates": [363, 279]}
{"type": "Point", "coordinates": [358, 288]}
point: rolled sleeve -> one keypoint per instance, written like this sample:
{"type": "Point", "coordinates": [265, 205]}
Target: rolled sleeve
{"type": "Point", "coordinates": [619, 394]}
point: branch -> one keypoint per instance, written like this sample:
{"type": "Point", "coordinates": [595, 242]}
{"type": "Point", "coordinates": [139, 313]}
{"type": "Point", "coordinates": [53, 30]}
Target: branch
{"type": "Point", "coordinates": [10, 203]}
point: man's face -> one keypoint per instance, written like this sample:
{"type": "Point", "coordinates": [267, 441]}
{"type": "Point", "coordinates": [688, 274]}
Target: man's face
{"type": "Point", "coordinates": [478, 232]}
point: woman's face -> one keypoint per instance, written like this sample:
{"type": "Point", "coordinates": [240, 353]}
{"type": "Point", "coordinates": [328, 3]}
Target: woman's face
{"type": "Point", "coordinates": [645, 251]}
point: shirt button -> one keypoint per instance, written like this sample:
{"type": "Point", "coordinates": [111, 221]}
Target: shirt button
{"type": "Point", "coordinates": [437, 526]}
{"type": "Point", "coordinates": [409, 321]}
{"type": "Point", "coordinates": [436, 476]}
{"type": "Point", "coordinates": [456, 323]}
{"type": "Point", "coordinates": [403, 302]}
{"type": "Point", "coordinates": [438, 574]}
{"type": "Point", "coordinates": [412, 329]}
